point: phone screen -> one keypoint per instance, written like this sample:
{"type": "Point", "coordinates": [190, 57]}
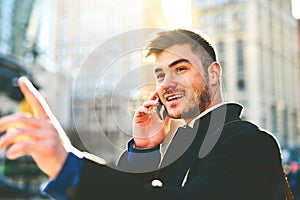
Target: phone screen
{"type": "Point", "coordinates": [161, 111]}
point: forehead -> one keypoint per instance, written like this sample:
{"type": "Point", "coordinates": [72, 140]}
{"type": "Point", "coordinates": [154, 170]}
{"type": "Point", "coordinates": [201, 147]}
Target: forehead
{"type": "Point", "coordinates": [177, 52]}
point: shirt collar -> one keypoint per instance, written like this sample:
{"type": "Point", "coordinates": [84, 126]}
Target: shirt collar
{"type": "Point", "coordinates": [192, 123]}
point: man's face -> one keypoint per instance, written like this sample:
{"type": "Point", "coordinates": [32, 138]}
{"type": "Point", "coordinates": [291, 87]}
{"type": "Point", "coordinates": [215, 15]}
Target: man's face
{"type": "Point", "coordinates": [181, 82]}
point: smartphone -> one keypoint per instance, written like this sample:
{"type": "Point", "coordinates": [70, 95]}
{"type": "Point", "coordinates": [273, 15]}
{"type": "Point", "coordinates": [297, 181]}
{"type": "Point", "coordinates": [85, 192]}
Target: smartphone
{"type": "Point", "coordinates": [160, 109]}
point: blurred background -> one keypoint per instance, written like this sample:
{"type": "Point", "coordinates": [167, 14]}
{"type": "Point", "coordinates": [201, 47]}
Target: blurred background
{"type": "Point", "coordinates": [49, 40]}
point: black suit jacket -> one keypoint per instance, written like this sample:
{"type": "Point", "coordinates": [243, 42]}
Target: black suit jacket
{"type": "Point", "coordinates": [225, 158]}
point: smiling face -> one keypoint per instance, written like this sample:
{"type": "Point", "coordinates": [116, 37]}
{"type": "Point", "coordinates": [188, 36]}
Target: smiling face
{"type": "Point", "coordinates": [182, 84]}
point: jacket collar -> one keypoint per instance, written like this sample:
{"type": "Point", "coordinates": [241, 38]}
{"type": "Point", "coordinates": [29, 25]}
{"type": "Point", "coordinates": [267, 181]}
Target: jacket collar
{"type": "Point", "coordinates": [222, 111]}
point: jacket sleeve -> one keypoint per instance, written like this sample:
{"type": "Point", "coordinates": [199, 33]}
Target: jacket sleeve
{"type": "Point", "coordinates": [138, 161]}
{"type": "Point", "coordinates": [244, 166]}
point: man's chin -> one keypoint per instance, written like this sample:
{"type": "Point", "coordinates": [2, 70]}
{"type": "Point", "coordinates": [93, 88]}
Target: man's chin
{"type": "Point", "coordinates": [175, 115]}
{"type": "Point", "coordinates": [178, 115]}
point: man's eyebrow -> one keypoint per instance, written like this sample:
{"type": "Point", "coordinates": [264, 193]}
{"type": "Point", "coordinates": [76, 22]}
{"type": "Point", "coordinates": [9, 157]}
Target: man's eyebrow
{"type": "Point", "coordinates": [179, 61]}
{"type": "Point", "coordinates": [156, 70]}
{"type": "Point", "coordinates": [159, 69]}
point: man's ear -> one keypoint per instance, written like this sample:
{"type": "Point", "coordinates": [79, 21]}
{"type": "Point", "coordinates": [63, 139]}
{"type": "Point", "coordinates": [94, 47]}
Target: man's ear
{"type": "Point", "coordinates": [214, 73]}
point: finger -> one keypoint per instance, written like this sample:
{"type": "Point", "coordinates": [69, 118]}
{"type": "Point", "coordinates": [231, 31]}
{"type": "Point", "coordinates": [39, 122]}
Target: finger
{"type": "Point", "coordinates": [21, 135]}
{"type": "Point", "coordinates": [20, 120]}
{"type": "Point", "coordinates": [37, 102]}
{"type": "Point", "coordinates": [13, 153]}
{"type": "Point", "coordinates": [141, 111]}
{"type": "Point", "coordinates": [20, 149]}
{"type": "Point", "coordinates": [48, 155]}
{"type": "Point", "coordinates": [150, 103]}
{"type": "Point", "coordinates": [153, 96]}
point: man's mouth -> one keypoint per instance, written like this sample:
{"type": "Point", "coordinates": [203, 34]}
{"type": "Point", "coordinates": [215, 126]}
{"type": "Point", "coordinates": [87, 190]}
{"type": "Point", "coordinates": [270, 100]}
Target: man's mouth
{"type": "Point", "coordinates": [174, 97]}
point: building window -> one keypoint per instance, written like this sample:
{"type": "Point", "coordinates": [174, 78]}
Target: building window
{"type": "Point", "coordinates": [221, 57]}
{"type": "Point", "coordinates": [202, 4]}
{"type": "Point", "coordinates": [221, 2]}
{"type": "Point", "coordinates": [220, 23]}
{"type": "Point", "coordinates": [240, 65]}
{"type": "Point", "coordinates": [285, 122]}
{"type": "Point", "coordinates": [205, 23]}
{"type": "Point", "coordinates": [221, 53]}
{"type": "Point", "coordinates": [273, 119]}
{"type": "Point", "coordinates": [239, 21]}
{"type": "Point", "coordinates": [294, 126]}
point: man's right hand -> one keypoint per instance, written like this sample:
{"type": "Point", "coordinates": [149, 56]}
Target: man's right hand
{"type": "Point", "coordinates": [40, 135]}
{"type": "Point", "coordinates": [148, 129]}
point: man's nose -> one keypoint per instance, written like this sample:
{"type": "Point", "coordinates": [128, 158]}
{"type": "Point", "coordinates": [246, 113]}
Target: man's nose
{"type": "Point", "coordinates": [169, 81]}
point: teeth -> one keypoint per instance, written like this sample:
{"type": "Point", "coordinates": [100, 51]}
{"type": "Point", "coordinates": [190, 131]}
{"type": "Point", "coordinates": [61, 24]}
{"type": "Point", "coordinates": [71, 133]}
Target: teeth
{"type": "Point", "coordinates": [175, 97]}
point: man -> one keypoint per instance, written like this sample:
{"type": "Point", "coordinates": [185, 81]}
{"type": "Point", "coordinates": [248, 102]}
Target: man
{"type": "Point", "coordinates": [213, 155]}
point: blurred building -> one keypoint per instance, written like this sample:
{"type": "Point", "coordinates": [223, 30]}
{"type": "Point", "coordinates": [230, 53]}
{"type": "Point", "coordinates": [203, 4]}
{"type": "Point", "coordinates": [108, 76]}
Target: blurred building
{"type": "Point", "coordinates": [256, 41]}
{"type": "Point", "coordinates": [18, 30]}
{"type": "Point", "coordinates": [25, 28]}
{"type": "Point", "coordinates": [15, 41]}
{"type": "Point", "coordinates": [95, 44]}
{"type": "Point", "coordinates": [57, 41]}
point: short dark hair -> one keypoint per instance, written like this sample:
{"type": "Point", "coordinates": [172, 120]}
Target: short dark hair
{"type": "Point", "coordinates": [199, 44]}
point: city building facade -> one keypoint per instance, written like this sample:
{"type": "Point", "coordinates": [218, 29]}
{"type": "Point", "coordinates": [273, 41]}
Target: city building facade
{"type": "Point", "coordinates": [256, 41]}
{"type": "Point", "coordinates": [99, 44]}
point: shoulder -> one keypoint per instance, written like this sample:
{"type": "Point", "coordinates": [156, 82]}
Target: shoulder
{"type": "Point", "coordinates": [247, 157]}
{"type": "Point", "coordinates": [247, 139]}
{"type": "Point", "coordinates": [247, 131]}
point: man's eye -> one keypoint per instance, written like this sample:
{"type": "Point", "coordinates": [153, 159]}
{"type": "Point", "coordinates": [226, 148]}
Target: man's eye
{"type": "Point", "coordinates": [160, 76]}
{"type": "Point", "coordinates": [181, 68]}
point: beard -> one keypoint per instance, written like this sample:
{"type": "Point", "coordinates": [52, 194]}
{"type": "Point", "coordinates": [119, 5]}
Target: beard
{"type": "Point", "coordinates": [194, 105]}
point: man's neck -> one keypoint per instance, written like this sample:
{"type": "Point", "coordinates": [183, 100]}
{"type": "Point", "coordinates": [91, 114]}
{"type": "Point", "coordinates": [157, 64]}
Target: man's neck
{"type": "Point", "coordinates": [190, 122]}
